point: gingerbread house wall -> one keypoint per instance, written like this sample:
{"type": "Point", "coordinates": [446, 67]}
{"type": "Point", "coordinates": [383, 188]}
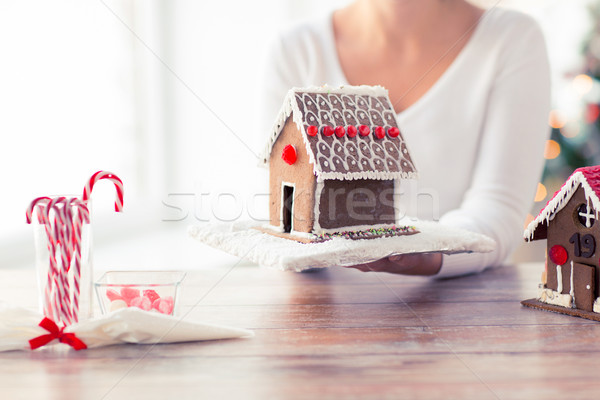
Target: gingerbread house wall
{"type": "Point", "coordinates": [560, 231]}
{"type": "Point", "coordinates": [356, 203]}
{"type": "Point", "coordinates": [300, 175]}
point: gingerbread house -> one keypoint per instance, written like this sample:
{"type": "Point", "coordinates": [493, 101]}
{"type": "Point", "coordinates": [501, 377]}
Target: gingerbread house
{"type": "Point", "coordinates": [334, 158]}
{"type": "Point", "coordinates": [569, 223]}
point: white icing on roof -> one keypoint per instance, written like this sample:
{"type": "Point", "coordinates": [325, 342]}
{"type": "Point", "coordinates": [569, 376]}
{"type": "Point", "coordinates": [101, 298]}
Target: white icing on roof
{"type": "Point", "coordinates": [588, 178]}
{"type": "Point", "coordinates": [361, 157]}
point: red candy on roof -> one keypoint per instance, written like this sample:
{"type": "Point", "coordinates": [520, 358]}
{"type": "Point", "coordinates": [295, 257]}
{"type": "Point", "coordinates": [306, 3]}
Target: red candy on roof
{"type": "Point", "coordinates": [340, 131]}
{"type": "Point", "coordinates": [379, 132]}
{"type": "Point", "coordinates": [327, 131]}
{"type": "Point", "coordinates": [364, 130]}
{"type": "Point", "coordinates": [312, 130]}
{"type": "Point", "coordinates": [352, 131]}
{"type": "Point", "coordinates": [393, 131]}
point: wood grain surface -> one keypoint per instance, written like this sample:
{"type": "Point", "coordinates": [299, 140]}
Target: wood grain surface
{"type": "Point", "coordinates": [332, 334]}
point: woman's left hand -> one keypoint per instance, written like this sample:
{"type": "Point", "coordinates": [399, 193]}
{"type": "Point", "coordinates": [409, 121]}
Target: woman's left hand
{"type": "Point", "coordinates": [425, 264]}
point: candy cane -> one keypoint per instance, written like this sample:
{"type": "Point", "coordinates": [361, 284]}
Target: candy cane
{"type": "Point", "coordinates": [89, 186]}
{"type": "Point", "coordinates": [39, 201]}
{"type": "Point", "coordinates": [83, 216]}
{"type": "Point", "coordinates": [47, 303]}
{"type": "Point", "coordinates": [56, 242]}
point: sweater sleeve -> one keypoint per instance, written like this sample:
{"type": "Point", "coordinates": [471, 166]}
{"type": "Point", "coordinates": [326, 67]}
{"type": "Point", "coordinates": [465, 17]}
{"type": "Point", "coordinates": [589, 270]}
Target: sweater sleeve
{"type": "Point", "coordinates": [510, 159]}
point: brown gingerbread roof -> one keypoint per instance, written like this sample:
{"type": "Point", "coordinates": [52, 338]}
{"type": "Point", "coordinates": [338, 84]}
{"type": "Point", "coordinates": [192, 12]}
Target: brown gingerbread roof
{"type": "Point", "coordinates": [588, 178]}
{"type": "Point", "coordinates": [318, 110]}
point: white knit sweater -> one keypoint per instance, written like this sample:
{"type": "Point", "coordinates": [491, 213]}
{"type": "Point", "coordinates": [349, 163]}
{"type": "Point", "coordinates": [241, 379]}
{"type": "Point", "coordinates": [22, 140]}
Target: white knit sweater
{"type": "Point", "coordinates": [477, 136]}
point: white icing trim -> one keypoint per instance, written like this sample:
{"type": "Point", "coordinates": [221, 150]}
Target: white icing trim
{"type": "Point", "coordinates": [550, 296]}
{"type": "Point", "coordinates": [571, 290]}
{"type": "Point", "coordinates": [368, 175]}
{"type": "Point", "coordinates": [559, 284]}
{"type": "Point", "coordinates": [596, 308]}
{"type": "Point", "coordinates": [560, 199]}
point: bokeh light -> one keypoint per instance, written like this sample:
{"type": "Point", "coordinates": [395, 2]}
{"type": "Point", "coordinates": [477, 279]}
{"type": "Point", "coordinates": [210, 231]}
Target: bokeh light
{"type": "Point", "coordinates": [557, 119]}
{"type": "Point", "coordinates": [540, 193]}
{"type": "Point", "coordinates": [592, 111]}
{"type": "Point", "coordinates": [582, 84]}
{"type": "Point", "coordinates": [552, 150]}
{"type": "Point", "coordinates": [570, 130]}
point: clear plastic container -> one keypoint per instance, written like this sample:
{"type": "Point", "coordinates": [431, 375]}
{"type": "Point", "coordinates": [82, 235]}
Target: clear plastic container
{"type": "Point", "coordinates": [155, 291]}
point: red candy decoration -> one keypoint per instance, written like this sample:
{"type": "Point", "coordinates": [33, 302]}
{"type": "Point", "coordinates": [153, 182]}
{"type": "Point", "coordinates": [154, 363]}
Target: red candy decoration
{"type": "Point", "coordinates": [352, 131]}
{"type": "Point", "coordinates": [558, 254]}
{"type": "Point", "coordinates": [312, 130]}
{"type": "Point", "coordinates": [364, 130]}
{"type": "Point", "coordinates": [339, 131]}
{"type": "Point", "coordinates": [393, 131]}
{"type": "Point", "coordinates": [379, 132]}
{"type": "Point", "coordinates": [289, 154]}
{"type": "Point", "coordinates": [327, 131]}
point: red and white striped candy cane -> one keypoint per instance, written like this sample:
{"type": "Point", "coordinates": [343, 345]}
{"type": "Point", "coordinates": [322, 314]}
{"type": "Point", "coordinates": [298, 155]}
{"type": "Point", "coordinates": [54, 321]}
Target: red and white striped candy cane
{"type": "Point", "coordinates": [81, 216]}
{"type": "Point", "coordinates": [40, 204]}
{"type": "Point", "coordinates": [89, 186]}
{"type": "Point", "coordinates": [56, 239]}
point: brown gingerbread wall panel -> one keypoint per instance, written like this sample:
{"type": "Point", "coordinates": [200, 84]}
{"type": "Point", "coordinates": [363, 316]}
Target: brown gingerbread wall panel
{"type": "Point", "coordinates": [299, 175]}
{"type": "Point", "coordinates": [356, 202]}
{"type": "Point", "coordinates": [568, 229]}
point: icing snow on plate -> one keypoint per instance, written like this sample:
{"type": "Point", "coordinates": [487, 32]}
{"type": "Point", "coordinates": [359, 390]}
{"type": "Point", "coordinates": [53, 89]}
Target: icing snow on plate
{"type": "Point", "coordinates": [242, 240]}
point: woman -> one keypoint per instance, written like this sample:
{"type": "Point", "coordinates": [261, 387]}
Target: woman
{"type": "Point", "coordinates": [471, 89]}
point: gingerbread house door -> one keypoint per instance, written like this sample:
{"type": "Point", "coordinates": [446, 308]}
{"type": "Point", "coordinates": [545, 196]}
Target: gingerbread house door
{"type": "Point", "coordinates": [287, 207]}
{"type": "Point", "coordinates": [584, 286]}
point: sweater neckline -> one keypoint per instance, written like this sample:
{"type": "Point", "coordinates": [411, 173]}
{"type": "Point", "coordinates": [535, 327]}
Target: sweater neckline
{"type": "Point", "coordinates": [458, 60]}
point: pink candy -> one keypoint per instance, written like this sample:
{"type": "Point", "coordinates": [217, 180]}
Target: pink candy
{"type": "Point", "coordinates": [164, 306]}
{"type": "Point", "coordinates": [129, 293]}
{"type": "Point", "coordinates": [151, 294]}
{"type": "Point", "coordinates": [147, 300]}
{"type": "Point", "coordinates": [113, 295]}
{"type": "Point", "coordinates": [141, 302]}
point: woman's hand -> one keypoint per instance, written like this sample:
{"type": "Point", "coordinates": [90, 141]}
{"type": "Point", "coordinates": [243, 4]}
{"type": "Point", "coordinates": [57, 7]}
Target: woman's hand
{"type": "Point", "coordinates": [425, 264]}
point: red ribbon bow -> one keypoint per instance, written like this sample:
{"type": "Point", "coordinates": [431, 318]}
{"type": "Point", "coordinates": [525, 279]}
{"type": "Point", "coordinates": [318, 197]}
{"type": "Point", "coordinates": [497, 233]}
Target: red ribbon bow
{"type": "Point", "coordinates": [56, 333]}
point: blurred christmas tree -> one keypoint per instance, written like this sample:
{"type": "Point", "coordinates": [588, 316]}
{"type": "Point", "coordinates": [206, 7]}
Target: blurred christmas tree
{"type": "Point", "coordinates": [575, 140]}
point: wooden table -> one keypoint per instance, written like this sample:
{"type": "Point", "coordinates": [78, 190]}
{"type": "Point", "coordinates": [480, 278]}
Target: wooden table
{"type": "Point", "coordinates": [332, 334]}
